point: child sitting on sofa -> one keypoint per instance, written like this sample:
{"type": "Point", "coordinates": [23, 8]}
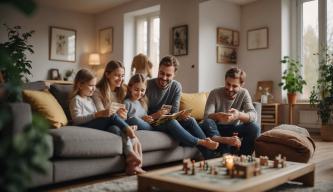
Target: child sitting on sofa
{"type": "Point", "coordinates": [136, 104]}
{"type": "Point", "coordinates": [84, 113]}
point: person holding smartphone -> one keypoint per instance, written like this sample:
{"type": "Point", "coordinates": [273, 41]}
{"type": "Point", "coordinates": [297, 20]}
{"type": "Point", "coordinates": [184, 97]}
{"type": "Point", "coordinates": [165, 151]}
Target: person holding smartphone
{"type": "Point", "coordinates": [230, 114]}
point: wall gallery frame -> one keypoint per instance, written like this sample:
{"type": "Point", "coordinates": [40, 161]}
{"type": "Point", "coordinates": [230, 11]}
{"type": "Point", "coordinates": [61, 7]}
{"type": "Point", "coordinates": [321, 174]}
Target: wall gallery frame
{"type": "Point", "coordinates": [227, 37]}
{"type": "Point", "coordinates": [226, 55]}
{"type": "Point", "coordinates": [180, 40]}
{"type": "Point", "coordinates": [106, 40]}
{"type": "Point", "coordinates": [257, 38]}
{"type": "Point", "coordinates": [62, 44]}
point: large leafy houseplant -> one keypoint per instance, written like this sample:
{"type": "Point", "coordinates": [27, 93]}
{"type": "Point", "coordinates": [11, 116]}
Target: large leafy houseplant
{"type": "Point", "coordinates": [23, 150]}
{"type": "Point", "coordinates": [292, 80]}
{"type": "Point", "coordinates": [322, 94]}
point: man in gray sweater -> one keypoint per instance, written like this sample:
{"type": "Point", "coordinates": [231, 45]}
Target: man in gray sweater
{"type": "Point", "coordinates": [163, 90]}
{"type": "Point", "coordinates": [230, 114]}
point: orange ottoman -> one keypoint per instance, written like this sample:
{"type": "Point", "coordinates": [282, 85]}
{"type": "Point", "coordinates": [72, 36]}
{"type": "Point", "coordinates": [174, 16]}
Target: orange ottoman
{"type": "Point", "coordinates": [290, 141]}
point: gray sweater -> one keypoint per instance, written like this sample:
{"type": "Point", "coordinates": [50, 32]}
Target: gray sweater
{"type": "Point", "coordinates": [158, 96]}
{"type": "Point", "coordinates": [82, 109]}
{"type": "Point", "coordinates": [218, 102]}
{"type": "Point", "coordinates": [135, 109]}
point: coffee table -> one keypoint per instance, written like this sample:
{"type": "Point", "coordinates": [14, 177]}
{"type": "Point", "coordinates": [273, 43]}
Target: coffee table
{"type": "Point", "coordinates": [174, 179]}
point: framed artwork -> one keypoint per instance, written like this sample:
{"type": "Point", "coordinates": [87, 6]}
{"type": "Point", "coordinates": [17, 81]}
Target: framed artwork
{"type": "Point", "coordinates": [180, 40]}
{"type": "Point", "coordinates": [257, 38]}
{"type": "Point", "coordinates": [235, 38]}
{"type": "Point", "coordinates": [62, 44]}
{"type": "Point", "coordinates": [224, 36]}
{"type": "Point", "coordinates": [54, 74]}
{"type": "Point", "coordinates": [226, 55]}
{"type": "Point", "coordinates": [106, 40]}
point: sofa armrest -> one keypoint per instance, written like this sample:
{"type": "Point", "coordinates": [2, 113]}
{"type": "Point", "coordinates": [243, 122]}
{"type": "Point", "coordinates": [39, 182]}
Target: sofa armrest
{"type": "Point", "coordinates": [258, 107]}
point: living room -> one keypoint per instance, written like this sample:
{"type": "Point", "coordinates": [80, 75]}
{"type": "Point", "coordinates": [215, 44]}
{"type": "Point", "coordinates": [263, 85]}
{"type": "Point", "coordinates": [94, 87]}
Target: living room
{"type": "Point", "coordinates": [199, 69]}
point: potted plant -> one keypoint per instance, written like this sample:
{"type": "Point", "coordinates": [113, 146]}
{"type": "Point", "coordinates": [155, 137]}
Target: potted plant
{"type": "Point", "coordinates": [292, 80]}
{"type": "Point", "coordinates": [68, 74]}
{"type": "Point", "coordinates": [322, 94]}
{"type": "Point", "coordinates": [23, 149]}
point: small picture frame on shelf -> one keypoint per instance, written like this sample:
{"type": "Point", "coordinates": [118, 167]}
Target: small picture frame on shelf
{"type": "Point", "coordinates": [54, 74]}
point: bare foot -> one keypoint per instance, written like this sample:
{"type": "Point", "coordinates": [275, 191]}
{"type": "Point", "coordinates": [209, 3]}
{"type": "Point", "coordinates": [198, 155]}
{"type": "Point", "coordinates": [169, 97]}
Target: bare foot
{"type": "Point", "coordinates": [133, 159]}
{"type": "Point", "coordinates": [232, 141]}
{"type": "Point", "coordinates": [209, 144]}
{"type": "Point", "coordinates": [139, 170]}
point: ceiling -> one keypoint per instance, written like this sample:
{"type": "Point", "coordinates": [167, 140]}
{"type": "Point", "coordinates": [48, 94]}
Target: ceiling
{"type": "Point", "coordinates": [82, 6]}
{"type": "Point", "coordinates": [97, 6]}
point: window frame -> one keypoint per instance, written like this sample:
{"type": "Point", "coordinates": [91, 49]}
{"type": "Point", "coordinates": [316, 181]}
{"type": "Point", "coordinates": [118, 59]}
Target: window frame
{"type": "Point", "coordinates": [322, 28]}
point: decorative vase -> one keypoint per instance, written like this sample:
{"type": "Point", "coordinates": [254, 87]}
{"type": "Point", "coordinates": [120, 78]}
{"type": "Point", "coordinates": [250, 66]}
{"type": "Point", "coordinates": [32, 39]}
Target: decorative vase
{"type": "Point", "coordinates": [292, 97]}
{"type": "Point", "coordinates": [326, 132]}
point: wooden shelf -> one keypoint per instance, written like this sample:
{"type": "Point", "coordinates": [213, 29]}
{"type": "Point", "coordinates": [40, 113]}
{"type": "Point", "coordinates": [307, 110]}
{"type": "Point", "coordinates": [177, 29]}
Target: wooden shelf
{"type": "Point", "coordinates": [270, 114]}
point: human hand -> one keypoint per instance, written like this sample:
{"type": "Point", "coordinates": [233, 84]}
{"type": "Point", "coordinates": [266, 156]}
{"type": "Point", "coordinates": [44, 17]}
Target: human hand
{"type": "Point", "coordinates": [104, 113]}
{"type": "Point", "coordinates": [223, 117]}
{"type": "Point", "coordinates": [233, 141]}
{"type": "Point", "coordinates": [148, 118]}
{"type": "Point", "coordinates": [184, 115]}
{"type": "Point", "coordinates": [235, 114]}
{"type": "Point", "coordinates": [122, 112]}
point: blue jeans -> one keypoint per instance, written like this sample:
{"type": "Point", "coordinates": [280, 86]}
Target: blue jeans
{"type": "Point", "coordinates": [248, 132]}
{"type": "Point", "coordinates": [187, 132]}
{"type": "Point", "coordinates": [142, 125]}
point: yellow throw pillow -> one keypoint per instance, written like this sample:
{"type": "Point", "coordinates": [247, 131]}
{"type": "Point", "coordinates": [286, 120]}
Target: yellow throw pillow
{"type": "Point", "coordinates": [44, 103]}
{"type": "Point", "coordinates": [196, 102]}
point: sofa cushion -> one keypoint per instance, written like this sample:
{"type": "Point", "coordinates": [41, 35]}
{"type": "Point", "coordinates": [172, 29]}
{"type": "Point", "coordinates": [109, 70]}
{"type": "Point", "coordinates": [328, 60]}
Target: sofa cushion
{"type": "Point", "coordinates": [155, 140]}
{"type": "Point", "coordinates": [73, 141]}
{"type": "Point", "coordinates": [290, 141]}
{"type": "Point", "coordinates": [196, 102]}
{"type": "Point", "coordinates": [44, 103]}
{"type": "Point", "coordinates": [61, 92]}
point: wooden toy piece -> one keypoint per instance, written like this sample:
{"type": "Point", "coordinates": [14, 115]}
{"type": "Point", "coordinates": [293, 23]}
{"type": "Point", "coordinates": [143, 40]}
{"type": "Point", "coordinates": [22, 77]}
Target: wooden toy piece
{"type": "Point", "coordinates": [263, 160]}
{"type": "Point", "coordinates": [243, 170]}
{"type": "Point", "coordinates": [278, 162]}
{"type": "Point", "coordinates": [257, 168]}
{"type": "Point", "coordinates": [193, 168]}
{"type": "Point", "coordinates": [186, 167]}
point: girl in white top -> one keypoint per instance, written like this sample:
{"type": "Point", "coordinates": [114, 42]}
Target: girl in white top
{"type": "Point", "coordinates": [84, 113]}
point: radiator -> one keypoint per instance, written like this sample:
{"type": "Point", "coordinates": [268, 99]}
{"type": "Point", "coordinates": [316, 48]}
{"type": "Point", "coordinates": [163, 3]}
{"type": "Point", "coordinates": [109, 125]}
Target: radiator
{"type": "Point", "coordinates": [309, 119]}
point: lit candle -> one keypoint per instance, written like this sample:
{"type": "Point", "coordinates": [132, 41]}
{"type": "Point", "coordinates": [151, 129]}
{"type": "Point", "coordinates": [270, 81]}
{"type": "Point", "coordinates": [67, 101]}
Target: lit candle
{"type": "Point", "coordinates": [229, 162]}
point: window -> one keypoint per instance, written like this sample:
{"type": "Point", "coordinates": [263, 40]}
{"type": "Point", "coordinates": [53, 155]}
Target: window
{"type": "Point", "coordinates": [148, 38]}
{"type": "Point", "coordinates": [316, 29]}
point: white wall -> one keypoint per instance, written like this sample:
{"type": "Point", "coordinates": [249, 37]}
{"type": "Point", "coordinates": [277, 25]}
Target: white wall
{"type": "Point", "coordinates": [172, 13]}
{"type": "Point", "coordinates": [262, 64]}
{"type": "Point", "coordinates": [213, 14]}
{"type": "Point", "coordinates": [40, 22]}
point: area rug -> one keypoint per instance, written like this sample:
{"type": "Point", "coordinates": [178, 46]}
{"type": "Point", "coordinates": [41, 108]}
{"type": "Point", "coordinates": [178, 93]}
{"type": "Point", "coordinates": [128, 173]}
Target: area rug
{"type": "Point", "coordinates": [129, 184]}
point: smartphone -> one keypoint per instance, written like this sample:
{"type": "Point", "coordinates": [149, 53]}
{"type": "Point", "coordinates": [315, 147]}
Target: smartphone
{"type": "Point", "coordinates": [226, 114]}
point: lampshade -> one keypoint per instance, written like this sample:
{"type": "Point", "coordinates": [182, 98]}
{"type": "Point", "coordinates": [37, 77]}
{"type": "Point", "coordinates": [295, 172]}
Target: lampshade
{"type": "Point", "coordinates": [94, 59]}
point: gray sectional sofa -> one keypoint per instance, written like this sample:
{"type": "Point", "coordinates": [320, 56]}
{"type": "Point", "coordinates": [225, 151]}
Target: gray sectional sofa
{"type": "Point", "coordinates": [82, 152]}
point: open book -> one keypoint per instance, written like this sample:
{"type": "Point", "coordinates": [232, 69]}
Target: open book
{"type": "Point", "coordinates": [165, 118]}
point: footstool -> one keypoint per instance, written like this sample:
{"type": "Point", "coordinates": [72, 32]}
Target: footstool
{"type": "Point", "coordinates": [290, 141]}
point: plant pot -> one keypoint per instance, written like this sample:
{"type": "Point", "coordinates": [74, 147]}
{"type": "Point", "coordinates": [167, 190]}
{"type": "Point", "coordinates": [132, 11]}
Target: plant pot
{"type": "Point", "coordinates": [292, 98]}
{"type": "Point", "coordinates": [326, 132]}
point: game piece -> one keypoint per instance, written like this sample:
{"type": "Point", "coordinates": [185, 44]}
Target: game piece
{"type": "Point", "coordinates": [278, 162]}
{"type": "Point", "coordinates": [263, 160]}
{"type": "Point", "coordinates": [193, 168]}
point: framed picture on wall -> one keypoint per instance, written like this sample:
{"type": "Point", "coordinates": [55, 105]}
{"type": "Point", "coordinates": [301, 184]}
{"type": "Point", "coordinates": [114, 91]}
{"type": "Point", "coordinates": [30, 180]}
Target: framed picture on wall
{"type": "Point", "coordinates": [106, 40]}
{"type": "Point", "coordinates": [226, 55]}
{"type": "Point", "coordinates": [257, 38]}
{"type": "Point", "coordinates": [224, 36]}
{"type": "Point", "coordinates": [62, 44]}
{"type": "Point", "coordinates": [180, 40]}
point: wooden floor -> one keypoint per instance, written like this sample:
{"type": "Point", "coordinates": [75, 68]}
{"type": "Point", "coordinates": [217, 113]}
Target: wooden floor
{"type": "Point", "coordinates": [323, 158]}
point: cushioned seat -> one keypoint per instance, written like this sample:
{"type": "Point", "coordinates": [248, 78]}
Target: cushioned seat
{"type": "Point", "coordinates": [72, 141]}
{"type": "Point", "coordinates": [290, 141]}
{"type": "Point", "coordinates": [155, 141]}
